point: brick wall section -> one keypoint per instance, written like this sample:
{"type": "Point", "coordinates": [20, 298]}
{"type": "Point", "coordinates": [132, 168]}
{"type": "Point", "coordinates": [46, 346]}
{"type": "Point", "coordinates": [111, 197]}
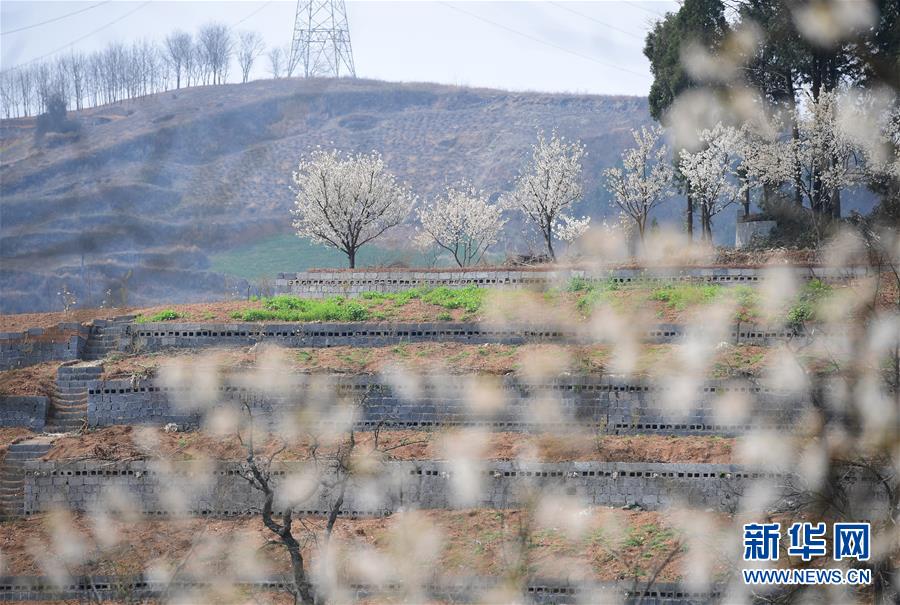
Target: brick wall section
{"type": "Point", "coordinates": [185, 488]}
{"type": "Point", "coordinates": [322, 284]}
{"type": "Point", "coordinates": [602, 403]}
{"type": "Point", "coordinates": [26, 411]}
{"type": "Point", "coordinates": [20, 349]}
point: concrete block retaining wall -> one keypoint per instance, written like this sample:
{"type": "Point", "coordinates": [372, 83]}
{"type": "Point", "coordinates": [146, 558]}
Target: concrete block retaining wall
{"type": "Point", "coordinates": [63, 342]}
{"type": "Point", "coordinates": [26, 411]}
{"type": "Point", "coordinates": [189, 488]}
{"type": "Point", "coordinates": [322, 284]}
{"type": "Point", "coordinates": [450, 589]}
{"type": "Point", "coordinates": [606, 404]}
{"type": "Point", "coordinates": [150, 337]}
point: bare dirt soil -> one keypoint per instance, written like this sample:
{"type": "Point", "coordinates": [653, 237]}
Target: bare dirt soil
{"type": "Point", "coordinates": [9, 436]}
{"type": "Point", "coordinates": [638, 303]}
{"type": "Point", "coordinates": [437, 358]}
{"type": "Point", "coordinates": [609, 544]}
{"type": "Point", "coordinates": [127, 442]}
{"type": "Point", "coordinates": [30, 380]}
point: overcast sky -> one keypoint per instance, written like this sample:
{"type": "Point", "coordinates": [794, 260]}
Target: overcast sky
{"type": "Point", "coordinates": [549, 46]}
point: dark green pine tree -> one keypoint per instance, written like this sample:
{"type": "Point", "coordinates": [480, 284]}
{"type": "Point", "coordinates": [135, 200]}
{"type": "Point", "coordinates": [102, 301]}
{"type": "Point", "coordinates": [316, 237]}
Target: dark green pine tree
{"type": "Point", "coordinates": [700, 21]}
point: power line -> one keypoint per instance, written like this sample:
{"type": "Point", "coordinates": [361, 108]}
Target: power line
{"type": "Point", "coordinates": [544, 42]}
{"type": "Point", "coordinates": [643, 8]}
{"type": "Point", "coordinates": [252, 14]}
{"type": "Point", "coordinates": [60, 18]}
{"type": "Point", "coordinates": [84, 37]}
{"type": "Point", "coordinates": [613, 27]}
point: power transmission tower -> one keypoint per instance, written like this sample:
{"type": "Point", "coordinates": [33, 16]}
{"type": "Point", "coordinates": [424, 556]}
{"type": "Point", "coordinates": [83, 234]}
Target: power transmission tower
{"type": "Point", "coordinates": [321, 44]}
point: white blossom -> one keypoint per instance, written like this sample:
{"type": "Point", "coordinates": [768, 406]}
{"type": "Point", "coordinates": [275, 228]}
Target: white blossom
{"type": "Point", "coordinates": [548, 187]}
{"type": "Point", "coordinates": [643, 181]}
{"type": "Point", "coordinates": [711, 172]}
{"type": "Point", "coordinates": [462, 222]}
{"type": "Point", "coordinates": [820, 158]}
{"type": "Point", "coordinates": [347, 201]}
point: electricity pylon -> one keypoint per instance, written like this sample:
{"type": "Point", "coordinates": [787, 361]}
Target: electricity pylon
{"type": "Point", "coordinates": [321, 44]}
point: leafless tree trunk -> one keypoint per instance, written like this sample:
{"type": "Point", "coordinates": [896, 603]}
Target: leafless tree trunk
{"type": "Point", "coordinates": [179, 48]}
{"type": "Point", "coordinates": [217, 46]}
{"type": "Point", "coordinates": [251, 46]}
{"type": "Point", "coordinates": [276, 61]}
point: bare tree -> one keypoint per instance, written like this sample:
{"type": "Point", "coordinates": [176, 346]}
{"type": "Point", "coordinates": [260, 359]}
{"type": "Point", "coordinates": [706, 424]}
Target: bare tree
{"type": "Point", "coordinates": [78, 66]}
{"type": "Point", "coordinates": [251, 46]}
{"type": "Point", "coordinates": [217, 46]}
{"type": "Point", "coordinates": [179, 46]}
{"type": "Point", "coordinates": [276, 61]}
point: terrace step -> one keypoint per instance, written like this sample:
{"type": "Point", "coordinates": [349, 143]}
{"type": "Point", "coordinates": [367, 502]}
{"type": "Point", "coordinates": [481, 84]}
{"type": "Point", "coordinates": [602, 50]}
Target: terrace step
{"type": "Point", "coordinates": [12, 475]}
{"type": "Point", "coordinates": [68, 401]}
{"type": "Point", "coordinates": [105, 336]}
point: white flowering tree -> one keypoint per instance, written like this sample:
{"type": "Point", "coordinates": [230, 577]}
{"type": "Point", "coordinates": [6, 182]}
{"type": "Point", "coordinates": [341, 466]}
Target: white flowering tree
{"type": "Point", "coordinates": [820, 159]}
{"type": "Point", "coordinates": [548, 187]}
{"type": "Point", "coordinates": [346, 201]}
{"type": "Point", "coordinates": [463, 222]}
{"type": "Point", "coordinates": [644, 180]}
{"type": "Point", "coordinates": [711, 173]}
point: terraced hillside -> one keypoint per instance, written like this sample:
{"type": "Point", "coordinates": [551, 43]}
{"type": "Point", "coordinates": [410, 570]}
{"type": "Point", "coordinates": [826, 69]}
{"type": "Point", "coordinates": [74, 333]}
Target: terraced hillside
{"type": "Point", "coordinates": [595, 441]}
{"type": "Point", "coordinates": [148, 191]}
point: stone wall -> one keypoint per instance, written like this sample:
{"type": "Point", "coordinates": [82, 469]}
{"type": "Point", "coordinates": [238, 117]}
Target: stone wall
{"type": "Point", "coordinates": [601, 403]}
{"type": "Point", "coordinates": [24, 411]}
{"type": "Point", "coordinates": [322, 284]}
{"type": "Point", "coordinates": [156, 488]}
{"type": "Point", "coordinates": [62, 342]}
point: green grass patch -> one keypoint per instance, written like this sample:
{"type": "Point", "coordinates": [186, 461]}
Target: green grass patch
{"type": "Point", "coordinates": [293, 308]}
{"type": "Point", "coordinates": [469, 298]}
{"type": "Point", "coordinates": [682, 296]}
{"type": "Point", "coordinates": [806, 308]}
{"type": "Point", "coordinates": [591, 293]}
{"type": "Point", "coordinates": [164, 315]}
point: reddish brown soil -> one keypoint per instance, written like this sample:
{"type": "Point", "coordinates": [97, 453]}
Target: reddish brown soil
{"type": "Point", "coordinates": [21, 321]}
{"type": "Point", "coordinates": [613, 544]}
{"type": "Point", "coordinates": [31, 380]}
{"type": "Point", "coordinates": [126, 442]}
{"type": "Point", "coordinates": [435, 358]}
{"type": "Point", "coordinates": [9, 436]}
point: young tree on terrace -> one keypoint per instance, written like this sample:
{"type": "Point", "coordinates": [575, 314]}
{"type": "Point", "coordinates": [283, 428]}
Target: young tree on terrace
{"type": "Point", "coordinates": [347, 201]}
{"type": "Point", "coordinates": [711, 173]}
{"type": "Point", "coordinates": [548, 187]}
{"type": "Point", "coordinates": [463, 223]}
{"type": "Point", "coordinates": [643, 181]}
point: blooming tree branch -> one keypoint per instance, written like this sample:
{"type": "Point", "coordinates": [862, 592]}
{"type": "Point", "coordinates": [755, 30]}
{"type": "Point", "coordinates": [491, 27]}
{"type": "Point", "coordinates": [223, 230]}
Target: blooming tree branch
{"type": "Point", "coordinates": [347, 201]}
{"type": "Point", "coordinates": [461, 222]}
{"type": "Point", "coordinates": [548, 187]}
{"type": "Point", "coordinates": [711, 172]}
{"type": "Point", "coordinates": [644, 180]}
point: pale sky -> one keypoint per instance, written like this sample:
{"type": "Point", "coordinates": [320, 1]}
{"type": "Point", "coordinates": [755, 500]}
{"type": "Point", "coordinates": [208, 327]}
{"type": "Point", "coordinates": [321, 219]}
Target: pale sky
{"type": "Point", "coordinates": [591, 47]}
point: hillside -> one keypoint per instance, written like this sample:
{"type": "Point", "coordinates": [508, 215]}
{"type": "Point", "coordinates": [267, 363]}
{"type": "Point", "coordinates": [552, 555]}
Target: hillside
{"type": "Point", "coordinates": [151, 194]}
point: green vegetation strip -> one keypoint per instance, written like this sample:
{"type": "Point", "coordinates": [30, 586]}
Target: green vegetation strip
{"type": "Point", "coordinates": [338, 308]}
